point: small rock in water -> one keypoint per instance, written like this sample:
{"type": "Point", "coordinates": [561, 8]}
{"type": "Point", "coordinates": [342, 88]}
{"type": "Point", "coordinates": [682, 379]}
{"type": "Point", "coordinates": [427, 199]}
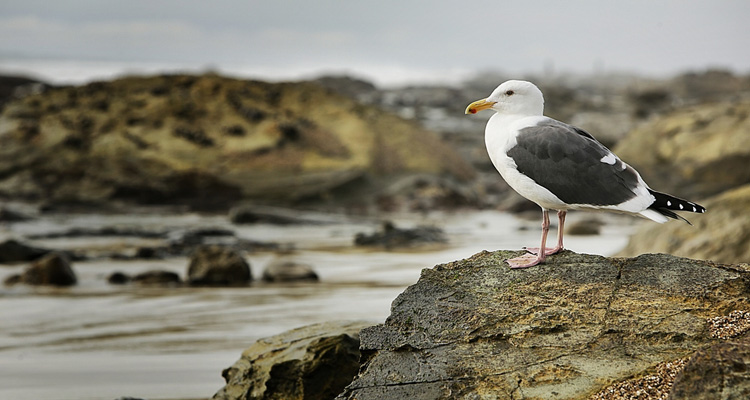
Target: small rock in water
{"type": "Point", "coordinates": [12, 280]}
{"type": "Point", "coordinates": [390, 236]}
{"type": "Point", "coordinates": [585, 227]}
{"type": "Point", "coordinates": [52, 269]}
{"type": "Point", "coordinates": [157, 278]}
{"type": "Point", "coordinates": [288, 271]}
{"type": "Point", "coordinates": [218, 265]}
{"type": "Point", "coordinates": [253, 214]}
{"type": "Point", "coordinates": [118, 278]}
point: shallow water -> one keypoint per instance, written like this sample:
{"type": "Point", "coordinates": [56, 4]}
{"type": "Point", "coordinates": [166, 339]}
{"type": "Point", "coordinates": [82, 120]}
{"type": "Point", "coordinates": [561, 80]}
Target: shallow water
{"type": "Point", "coordinates": [100, 341]}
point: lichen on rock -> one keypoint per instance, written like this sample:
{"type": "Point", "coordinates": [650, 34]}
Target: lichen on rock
{"type": "Point", "coordinates": [564, 330]}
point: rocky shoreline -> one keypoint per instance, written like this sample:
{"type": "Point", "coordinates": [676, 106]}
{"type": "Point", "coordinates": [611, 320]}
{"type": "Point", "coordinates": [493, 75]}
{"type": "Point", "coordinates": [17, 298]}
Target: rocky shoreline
{"type": "Point", "coordinates": [579, 327]}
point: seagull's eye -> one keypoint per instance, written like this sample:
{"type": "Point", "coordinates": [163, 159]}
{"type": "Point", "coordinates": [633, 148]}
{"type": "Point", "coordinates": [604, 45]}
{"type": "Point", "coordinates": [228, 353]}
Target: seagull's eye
{"type": "Point", "coordinates": [509, 93]}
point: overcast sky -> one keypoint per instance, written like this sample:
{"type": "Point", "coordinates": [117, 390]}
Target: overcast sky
{"type": "Point", "coordinates": [388, 41]}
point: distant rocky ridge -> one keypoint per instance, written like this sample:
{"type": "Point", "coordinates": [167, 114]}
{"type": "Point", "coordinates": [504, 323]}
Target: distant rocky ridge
{"type": "Point", "coordinates": [697, 151]}
{"type": "Point", "coordinates": [609, 106]}
{"type": "Point", "coordinates": [702, 153]}
{"type": "Point", "coordinates": [207, 140]}
{"type": "Point", "coordinates": [210, 141]}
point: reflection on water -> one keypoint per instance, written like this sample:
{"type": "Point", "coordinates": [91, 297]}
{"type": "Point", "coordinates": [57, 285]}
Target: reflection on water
{"type": "Point", "coordinates": [96, 340]}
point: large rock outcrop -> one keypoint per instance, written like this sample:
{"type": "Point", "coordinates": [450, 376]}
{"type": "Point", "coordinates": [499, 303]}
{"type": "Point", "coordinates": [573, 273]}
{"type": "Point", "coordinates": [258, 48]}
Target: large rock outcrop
{"type": "Point", "coordinates": [475, 329]}
{"type": "Point", "coordinates": [206, 140]}
{"type": "Point", "coordinates": [722, 234]}
{"type": "Point", "coordinates": [694, 152]}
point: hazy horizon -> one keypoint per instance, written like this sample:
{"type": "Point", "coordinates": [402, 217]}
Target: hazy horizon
{"type": "Point", "coordinates": [385, 42]}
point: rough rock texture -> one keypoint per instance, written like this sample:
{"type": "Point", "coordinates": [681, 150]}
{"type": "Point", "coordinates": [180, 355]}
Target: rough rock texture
{"type": "Point", "coordinates": [53, 269]}
{"type": "Point", "coordinates": [313, 362]}
{"type": "Point", "coordinates": [722, 234]}
{"type": "Point", "coordinates": [475, 329]}
{"type": "Point", "coordinates": [721, 371]}
{"type": "Point", "coordinates": [205, 140]}
{"type": "Point", "coordinates": [695, 152]}
{"type": "Point", "coordinates": [218, 265]}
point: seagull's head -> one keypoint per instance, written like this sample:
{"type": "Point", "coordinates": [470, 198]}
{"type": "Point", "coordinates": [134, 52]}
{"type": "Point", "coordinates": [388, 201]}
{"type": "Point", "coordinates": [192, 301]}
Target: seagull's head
{"type": "Point", "coordinates": [511, 97]}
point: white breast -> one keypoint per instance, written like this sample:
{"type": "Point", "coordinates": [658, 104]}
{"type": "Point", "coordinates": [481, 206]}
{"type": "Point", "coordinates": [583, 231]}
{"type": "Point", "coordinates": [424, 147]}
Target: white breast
{"type": "Point", "coordinates": [499, 137]}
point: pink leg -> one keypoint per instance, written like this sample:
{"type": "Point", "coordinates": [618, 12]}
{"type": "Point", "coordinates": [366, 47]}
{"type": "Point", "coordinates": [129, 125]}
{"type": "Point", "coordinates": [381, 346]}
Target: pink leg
{"type": "Point", "coordinates": [554, 250]}
{"type": "Point", "coordinates": [529, 260]}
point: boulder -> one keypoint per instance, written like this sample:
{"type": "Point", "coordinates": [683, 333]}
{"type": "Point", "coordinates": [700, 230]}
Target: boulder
{"type": "Point", "coordinates": [567, 329]}
{"type": "Point", "coordinates": [313, 362]}
{"type": "Point", "coordinates": [289, 271]}
{"type": "Point", "coordinates": [218, 266]}
{"type": "Point", "coordinates": [720, 371]}
{"type": "Point", "coordinates": [722, 234]}
{"type": "Point", "coordinates": [53, 269]}
{"type": "Point", "coordinates": [390, 236]}
{"type": "Point", "coordinates": [695, 152]}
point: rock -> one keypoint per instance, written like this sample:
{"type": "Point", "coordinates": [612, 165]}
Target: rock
{"type": "Point", "coordinates": [53, 269]}
{"type": "Point", "coordinates": [289, 271]}
{"type": "Point", "coordinates": [206, 141]}
{"type": "Point", "coordinates": [15, 87]}
{"type": "Point", "coordinates": [108, 231]}
{"type": "Point", "coordinates": [392, 237]}
{"type": "Point", "coordinates": [346, 85]}
{"type": "Point", "coordinates": [118, 278]}
{"type": "Point", "coordinates": [151, 253]}
{"type": "Point", "coordinates": [720, 371]}
{"type": "Point", "coordinates": [587, 226]}
{"type": "Point", "coordinates": [157, 278]}
{"type": "Point", "coordinates": [565, 330]}
{"type": "Point", "coordinates": [424, 192]}
{"type": "Point", "coordinates": [185, 242]}
{"type": "Point", "coordinates": [312, 362]}
{"type": "Point", "coordinates": [254, 214]}
{"type": "Point", "coordinates": [12, 251]}
{"type": "Point", "coordinates": [12, 280]}
{"type": "Point", "coordinates": [693, 153]}
{"type": "Point", "coordinates": [199, 236]}
{"type": "Point", "coordinates": [219, 266]}
{"type": "Point", "coordinates": [721, 234]}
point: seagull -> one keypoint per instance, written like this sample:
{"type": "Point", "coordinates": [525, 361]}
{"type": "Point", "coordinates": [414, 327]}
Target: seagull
{"type": "Point", "coordinates": [562, 167]}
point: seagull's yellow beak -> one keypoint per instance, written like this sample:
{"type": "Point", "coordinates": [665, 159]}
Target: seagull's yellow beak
{"type": "Point", "coordinates": [478, 106]}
